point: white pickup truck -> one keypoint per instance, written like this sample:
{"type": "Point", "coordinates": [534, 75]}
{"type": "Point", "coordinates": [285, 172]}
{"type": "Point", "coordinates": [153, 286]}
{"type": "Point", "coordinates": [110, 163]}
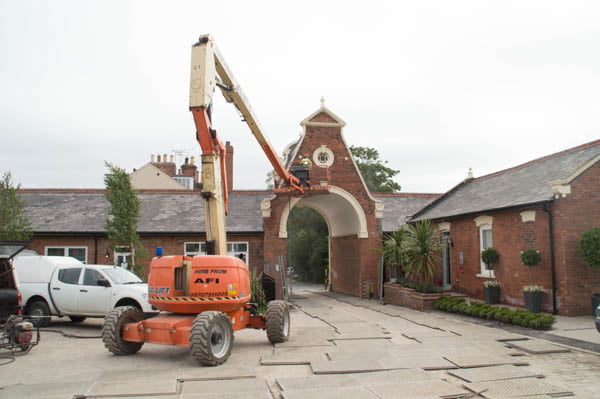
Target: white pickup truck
{"type": "Point", "coordinates": [63, 286]}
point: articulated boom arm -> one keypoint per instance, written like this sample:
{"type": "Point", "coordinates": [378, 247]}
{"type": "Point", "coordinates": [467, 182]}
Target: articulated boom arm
{"type": "Point", "coordinates": [208, 71]}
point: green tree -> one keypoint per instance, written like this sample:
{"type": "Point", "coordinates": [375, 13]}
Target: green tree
{"type": "Point", "coordinates": [14, 225]}
{"type": "Point", "coordinates": [308, 244]}
{"type": "Point", "coordinates": [123, 215]}
{"type": "Point", "coordinates": [377, 176]}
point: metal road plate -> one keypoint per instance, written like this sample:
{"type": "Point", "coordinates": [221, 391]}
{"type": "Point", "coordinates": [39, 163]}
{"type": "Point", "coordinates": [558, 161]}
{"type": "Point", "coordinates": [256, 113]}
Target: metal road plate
{"type": "Point", "coordinates": [482, 360]}
{"type": "Point", "coordinates": [331, 393]}
{"type": "Point", "coordinates": [516, 388]}
{"type": "Point", "coordinates": [317, 382]}
{"type": "Point", "coordinates": [537, 347]}
{"type": "Point", "coordinates": [417, 390]}
{"type": "Point", "coordinates": [493, 373]}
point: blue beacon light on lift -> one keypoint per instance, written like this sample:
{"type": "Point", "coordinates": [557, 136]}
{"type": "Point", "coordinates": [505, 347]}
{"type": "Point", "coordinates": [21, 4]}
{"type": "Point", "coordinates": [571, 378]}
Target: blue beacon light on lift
{"type": "Point", "coordinates": [159, 251]}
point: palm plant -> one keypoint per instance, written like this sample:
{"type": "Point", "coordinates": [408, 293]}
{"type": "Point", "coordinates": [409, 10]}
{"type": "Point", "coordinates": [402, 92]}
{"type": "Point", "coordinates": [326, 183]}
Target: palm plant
{"type": "Point", "coordinates": [391, 249]}
{"type": "Point", "coordinates": [422, 248]}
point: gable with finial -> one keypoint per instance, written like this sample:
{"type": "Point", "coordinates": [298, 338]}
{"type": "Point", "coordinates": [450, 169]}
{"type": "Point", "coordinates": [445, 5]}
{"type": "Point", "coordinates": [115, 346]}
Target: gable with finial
{"type": "Point", "coordinates": [323, 117]}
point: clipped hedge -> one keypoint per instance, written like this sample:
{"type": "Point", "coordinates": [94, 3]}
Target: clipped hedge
{"type": "Point", "coordinates": [523, 318]}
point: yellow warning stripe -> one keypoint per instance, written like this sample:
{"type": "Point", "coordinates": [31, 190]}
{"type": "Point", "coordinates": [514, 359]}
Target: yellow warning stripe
{"type": "Point", "coordinates": [190, 299]}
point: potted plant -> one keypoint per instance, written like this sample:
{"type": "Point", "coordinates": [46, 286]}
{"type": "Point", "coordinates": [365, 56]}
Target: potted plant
{"type": "Point", "coordinates": [534, 294]}
{"type": "Point", "coordinates": [422, 248]}
{"type": "Point", "coordinates": [490, 257]}
{"type": "Point", "coordinates": [589, 247]}
{"type": "Point", "coordinates": [491, 291]}
{"type": "Point", "coordinates": [391, 252]}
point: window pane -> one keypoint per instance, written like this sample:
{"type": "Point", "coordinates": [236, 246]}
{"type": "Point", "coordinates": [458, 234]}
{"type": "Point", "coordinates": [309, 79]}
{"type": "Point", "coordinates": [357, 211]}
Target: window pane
{"type": "Point", "coordinates": [69, 276]}
{"type": "Point", "coordinates": [487, 239]}
{"type": "Point", "coordinates": [192, 247]}
{"type": "Point", "coordinates": [77, 253]}
{"type": "Point", "coordinates": [55, 251]}
{"type": "Point", "coordinates": [91, 277]}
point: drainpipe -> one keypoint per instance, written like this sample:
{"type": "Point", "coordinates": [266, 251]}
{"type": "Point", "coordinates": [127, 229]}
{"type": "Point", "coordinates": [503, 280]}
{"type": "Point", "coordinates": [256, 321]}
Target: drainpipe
{"type": "Point", "coordinates": [552, 261]}
{"type": "Point", "coordinates": [96, 249]}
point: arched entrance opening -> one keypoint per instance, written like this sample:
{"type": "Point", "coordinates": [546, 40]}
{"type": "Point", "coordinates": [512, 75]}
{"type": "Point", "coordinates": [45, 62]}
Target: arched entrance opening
{"type": "Point", "coordinates": [348, 236]}
{"type": "Point", "coordinates": [307, 245]}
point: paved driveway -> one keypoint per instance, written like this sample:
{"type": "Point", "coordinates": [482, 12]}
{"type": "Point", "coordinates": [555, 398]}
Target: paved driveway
{"type": "Point", "coordinates": [341, 347]}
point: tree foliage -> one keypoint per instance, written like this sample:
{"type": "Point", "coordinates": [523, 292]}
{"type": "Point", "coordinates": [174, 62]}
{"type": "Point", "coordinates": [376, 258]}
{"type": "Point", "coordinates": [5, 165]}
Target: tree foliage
{"type": "Point", "coordinates": [14, 224]}
{"type": "Point", "coordinates": [123, 215]}
{"type": "Point", "coordinates": [589, 246]}
{"type": "Point", "coordinates": [377, 176]}
{"type": "Point", "coordinates": [308, 244]}
{"type": "Point", "coordinates": [392, 250]}
{"type": "Point", "coordinates": [423, 249]}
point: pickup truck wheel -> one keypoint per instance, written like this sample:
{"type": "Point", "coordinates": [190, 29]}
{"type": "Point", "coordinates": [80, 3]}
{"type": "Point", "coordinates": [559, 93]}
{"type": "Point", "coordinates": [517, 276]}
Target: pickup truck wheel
{"type": "Point", "coordinates": [278, 322]}
{"type": "Point", "coordinates": [77, 319]}
{"type": "Point", "coordinates": [211, 338]}
{"type": "Point", "coordinates": [111, 330]}
{"type": "Point", "coordinates": [40, 313]}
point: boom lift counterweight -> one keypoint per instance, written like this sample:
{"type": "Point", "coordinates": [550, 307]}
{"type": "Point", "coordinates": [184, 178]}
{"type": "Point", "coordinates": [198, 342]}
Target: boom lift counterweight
{"type": "Point", "coordinates": [203, 299]}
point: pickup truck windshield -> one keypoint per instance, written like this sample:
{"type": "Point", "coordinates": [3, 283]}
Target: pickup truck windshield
{"type": "Point", "coordinates": [121, 276]}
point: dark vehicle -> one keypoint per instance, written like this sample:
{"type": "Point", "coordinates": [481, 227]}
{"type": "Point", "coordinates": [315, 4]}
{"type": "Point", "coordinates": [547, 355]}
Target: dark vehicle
{"type": "Point", "coordinates": [10, 298]}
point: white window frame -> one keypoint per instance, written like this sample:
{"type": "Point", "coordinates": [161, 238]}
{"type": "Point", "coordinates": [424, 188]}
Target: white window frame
{"type": "Point", "coordinates": [484, 272]}
{"type": "Point", "coordinates": [202, 246]}
{"type": "Point", "coordinates": [66, 249]}
{"type": "Point", "coordinates": [119, 252]}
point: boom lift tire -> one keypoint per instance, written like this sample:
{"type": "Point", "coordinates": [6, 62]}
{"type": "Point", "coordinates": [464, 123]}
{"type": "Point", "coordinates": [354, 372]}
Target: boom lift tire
{"type": "Point", "coordinates": [111, 330]}
{"type": "Point", "coordinates": [278, 322]}
{"type": "Point", "coordinates": [211, 338]}
{"type": "Point", "coordinates": [40, 312]}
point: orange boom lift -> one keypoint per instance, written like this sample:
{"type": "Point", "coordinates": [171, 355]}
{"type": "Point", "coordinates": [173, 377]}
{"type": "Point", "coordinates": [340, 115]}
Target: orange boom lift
{"type": "Point", "coordinates": [203, 299]}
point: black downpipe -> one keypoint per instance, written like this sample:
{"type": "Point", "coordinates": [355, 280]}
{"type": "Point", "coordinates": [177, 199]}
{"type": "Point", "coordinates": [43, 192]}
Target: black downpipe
{"type": "Point", "coordinates": [95, 250]}
{"type": "Point", "coordinates": [552, 262]}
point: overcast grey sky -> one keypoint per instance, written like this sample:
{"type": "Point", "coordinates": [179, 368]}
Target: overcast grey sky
{"type": "Point", "coordinates": [436, 86]}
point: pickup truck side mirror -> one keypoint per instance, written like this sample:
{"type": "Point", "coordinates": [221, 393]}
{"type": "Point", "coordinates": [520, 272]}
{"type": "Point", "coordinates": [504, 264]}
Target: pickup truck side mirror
{"type": "Point", "coordinates": [102, 282]}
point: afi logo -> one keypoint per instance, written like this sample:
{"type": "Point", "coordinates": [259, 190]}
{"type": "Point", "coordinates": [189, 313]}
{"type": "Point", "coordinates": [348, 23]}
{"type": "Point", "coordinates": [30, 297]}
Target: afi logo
{"type": "Point", "coordinates": [207, 280]}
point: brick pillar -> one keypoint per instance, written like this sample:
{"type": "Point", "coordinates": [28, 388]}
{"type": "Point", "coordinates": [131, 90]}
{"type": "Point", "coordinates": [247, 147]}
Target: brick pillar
{"type": "Point", "coordinates": [229, 165]}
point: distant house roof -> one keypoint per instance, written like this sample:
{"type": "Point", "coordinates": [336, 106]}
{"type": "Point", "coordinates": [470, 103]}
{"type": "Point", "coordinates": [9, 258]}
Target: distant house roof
{"type": "Point", "coordinates": [399, 207]}
{"type": "Point", "coordinates": [150, 177]}
{"type": "Point", "coordinates": [84, 211]}
{"type": "Point", "coordinates": [525, 184]}
{"type": "Point", "coordinates": [80, 211]}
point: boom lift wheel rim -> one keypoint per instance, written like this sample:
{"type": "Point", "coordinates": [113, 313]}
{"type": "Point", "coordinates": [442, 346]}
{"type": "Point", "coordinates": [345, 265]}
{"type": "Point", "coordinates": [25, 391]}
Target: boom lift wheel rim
{"type": "Point", "coordinates": [211, 338]}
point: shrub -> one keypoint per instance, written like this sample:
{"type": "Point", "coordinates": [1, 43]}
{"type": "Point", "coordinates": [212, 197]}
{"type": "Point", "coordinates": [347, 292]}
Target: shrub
{"type": "Point", "coordinates": [490, 256]}
{"type": "Point", "coordinates": [531, 257]}
{"type": "Point", "coordinates": [518, 317]}
{"type": "Point", "coordinates": [589, 246]}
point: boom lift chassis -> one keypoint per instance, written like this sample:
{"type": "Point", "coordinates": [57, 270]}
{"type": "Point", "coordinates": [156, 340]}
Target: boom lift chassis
{"type": "Point", "coordinates": [204, 299]}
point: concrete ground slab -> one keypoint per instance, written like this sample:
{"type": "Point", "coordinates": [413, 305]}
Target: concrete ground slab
{"type": "Point", "coordinates": [516, 388]}
{"type": "Point", "coordinates": [317, 382]}
{"type": "Point", "coordinates": [223, 372]}
{"type": "Point", "coordinates": [494, 373]}
{"type": "Point", "coordinates": [156, 387]}
{"type": "Point", "coordinates": [58, 390]}
{"type": "Point", "coordinates": [254, 395]}
{"type": "Point", "coordinates": [354, 365]}
{"type": "Point", "coordinates": [331, 393]}
{"type": "Point", "coordinates": [394, 376]}
{"type": "Point", "coordinates": [417, 390]}
{"type": "Point", "coordinates": [249, 386]}
{"type": "Point", "coordinates": [536, 346]}
{"type": "Point", "coordinates": [469, 360]}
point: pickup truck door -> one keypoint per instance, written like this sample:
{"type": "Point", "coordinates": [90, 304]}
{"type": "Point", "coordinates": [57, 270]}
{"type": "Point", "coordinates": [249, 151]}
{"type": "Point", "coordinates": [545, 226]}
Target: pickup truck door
{"type": "Point", "coordinates": [94, 299]}
{"type": "Point", "coordinates": [64, 289]}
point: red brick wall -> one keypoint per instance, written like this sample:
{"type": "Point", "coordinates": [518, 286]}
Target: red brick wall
{"type": "Point", "coordinates": [172, 245]}
{"type": "Point", "coordinates": [576, 213]}
{"type": "Point", "coordinates": [345, 265]}
{"type": "Point", "coordinates": [510, 236]}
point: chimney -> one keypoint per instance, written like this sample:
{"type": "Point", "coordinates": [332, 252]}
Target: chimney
{"type": "Point", "coordinates": [172, 159]}
{"type": "Point", "coordinates": [166, 167]}
{"type": "Point", "coordinates": [158, 159]}
{"type": "Point", "coordinates": [152, 158]}
{"type": "Point", "coordinates": [189, 169]}
{"type": "Point", "coordinates": [229, 165]}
